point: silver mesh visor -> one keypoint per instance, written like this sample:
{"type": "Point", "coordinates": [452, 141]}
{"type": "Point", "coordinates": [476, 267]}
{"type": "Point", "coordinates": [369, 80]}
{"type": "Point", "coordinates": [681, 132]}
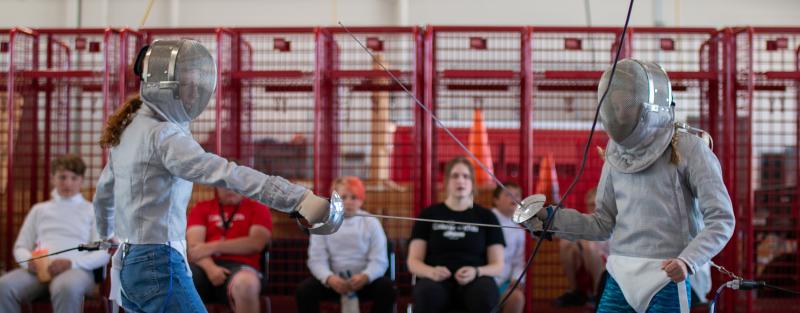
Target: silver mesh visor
{"type": "Point", "coordinates": [640, 93]}
{"type": "Point", "coordinates": [179, 77]}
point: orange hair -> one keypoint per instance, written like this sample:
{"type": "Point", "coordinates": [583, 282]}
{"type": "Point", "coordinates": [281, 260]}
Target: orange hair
{"type": "Point", "coordinates": [119, 120]}
{"type": "Point", "coordinates": [353, 184]}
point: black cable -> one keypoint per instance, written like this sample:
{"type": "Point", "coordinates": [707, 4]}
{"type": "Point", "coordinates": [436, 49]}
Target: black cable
{"type": "Point", "coordinates": [48, 255]}
{"type": "Point", "coordinates": [782, 289]}
{"type": "Point", "coordinates": [92, 246]}
{"type": "Point", "coordinates": [597, 110]}
{"type": "Point", "coordinates": [548, 223]}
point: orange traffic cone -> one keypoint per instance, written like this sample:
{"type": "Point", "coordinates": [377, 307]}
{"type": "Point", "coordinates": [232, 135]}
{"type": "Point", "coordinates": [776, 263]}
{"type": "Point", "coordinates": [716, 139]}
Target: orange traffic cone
{"type": "Point", "coordinates": [548, 180]}
{"type": "Point", "coordinates": [478, 144]}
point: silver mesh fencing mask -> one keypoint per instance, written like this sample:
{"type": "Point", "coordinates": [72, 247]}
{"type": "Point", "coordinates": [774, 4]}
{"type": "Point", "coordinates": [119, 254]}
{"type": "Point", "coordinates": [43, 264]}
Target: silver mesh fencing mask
{"type": "Point", "coordinates": [178, 78]}
{"type": "Point", "coordinates": [637, 114]}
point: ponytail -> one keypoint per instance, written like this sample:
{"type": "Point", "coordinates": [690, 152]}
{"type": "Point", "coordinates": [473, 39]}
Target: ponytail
{"type": "Point", "coordinates": [675, 157]}
{"type": "Point", "coordinates": [119, 121]}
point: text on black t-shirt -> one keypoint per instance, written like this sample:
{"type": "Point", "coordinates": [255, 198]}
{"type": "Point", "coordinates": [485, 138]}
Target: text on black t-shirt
{"type": "Point", "coordinates": [455, 246]}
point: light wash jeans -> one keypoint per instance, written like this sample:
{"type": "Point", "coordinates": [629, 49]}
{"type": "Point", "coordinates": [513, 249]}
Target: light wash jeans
{"type": "Point", "coordinates": [154, 279]}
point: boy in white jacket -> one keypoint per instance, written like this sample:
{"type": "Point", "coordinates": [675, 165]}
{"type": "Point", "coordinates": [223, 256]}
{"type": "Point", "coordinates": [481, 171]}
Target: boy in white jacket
{"type": "Point", "coordinates": [63, 222]}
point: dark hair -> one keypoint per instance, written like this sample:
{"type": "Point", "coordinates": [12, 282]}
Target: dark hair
{"type": "Point", "coordinates": [119, 121]}
{"type": "Point", "coordinates": [69, 162]}
{"type": "Point", "coordinates": [508, 184]}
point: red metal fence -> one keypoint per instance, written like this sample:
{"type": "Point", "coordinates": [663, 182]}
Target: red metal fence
{"type": "Point", "coordinates": [763, 75]}
{"type": "Point", "coordinates": [310, 104]}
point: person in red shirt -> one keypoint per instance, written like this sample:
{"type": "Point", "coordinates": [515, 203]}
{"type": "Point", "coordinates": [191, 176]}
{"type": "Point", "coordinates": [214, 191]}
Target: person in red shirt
{"type": "Point", "coordinates": [226, 236]}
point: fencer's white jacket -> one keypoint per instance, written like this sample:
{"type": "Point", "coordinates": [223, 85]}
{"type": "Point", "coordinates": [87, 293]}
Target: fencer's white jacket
{"type": "Point", "coordinates": [143, 191]}
{"type": "Point", "coordinates": [651, 214]}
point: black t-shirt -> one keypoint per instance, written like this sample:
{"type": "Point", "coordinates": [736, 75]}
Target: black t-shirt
{"type": "Point", "coordinates": [455, 246]}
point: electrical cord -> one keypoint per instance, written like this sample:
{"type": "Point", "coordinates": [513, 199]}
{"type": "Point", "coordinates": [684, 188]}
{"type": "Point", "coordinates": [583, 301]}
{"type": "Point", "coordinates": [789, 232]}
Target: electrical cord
{"type": "Point", "coordinates": [551, 214]}
{"type": "Point", "coordinates": [744, 284]}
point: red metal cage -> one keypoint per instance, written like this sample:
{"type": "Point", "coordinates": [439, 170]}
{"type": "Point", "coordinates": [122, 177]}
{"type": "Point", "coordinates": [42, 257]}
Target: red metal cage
{"type": "Point", "coordinates": [272, 92]}
{"type": "Point", "coordinates": [764, 74]}
{"type": "Point", "coordinates": [310, 104]}
{"type": "Point", "coordinates": [376, 123]}
{"type": "Point", "coordinates": [63, 84]}
{"type": "Point", "coordinates": [19, 47]}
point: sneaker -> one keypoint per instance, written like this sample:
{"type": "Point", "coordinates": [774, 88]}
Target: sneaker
{"type": "Point", "coordinates": [571, 298]}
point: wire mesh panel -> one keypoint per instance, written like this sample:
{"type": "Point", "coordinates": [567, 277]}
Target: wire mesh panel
{"type": "Point", "coordinates": [690, 57]}
{"type": "Point", "coordinates": [476, 83]}
{"type": "Point", "coordinates": [77, 95]}
{"type": "Point", "coordinates": [273, 85]}
{"type": "Point", "coordinates": [64, 99]}
{"type": "Point", "coordinates": [677, 50]}
{"type": "Point", "coordinates": [276, 80]}
{"type": "Point", "coordinates": [227, 109]}
{"type": "Point", "coordinates": [766, 74]}
{"type": "Point", "coordinates": [476, 79]}
{"type": "Point", "coordinates": [572, 50]}
{"type": "Point", "coordinates": [24, 169]}
{"type": "Point", "coordinates": [278, 51]}
{"type": "Point", "coordinates": [566, 63]}
{"type": "Point", "coordinates": [18, 95]}
{"type": "Point", "coordinates": [693, 60]}
{"type": "Point", "coordinates": [371, 109]}
{"type": "Point", "coordinates": [376, 120]}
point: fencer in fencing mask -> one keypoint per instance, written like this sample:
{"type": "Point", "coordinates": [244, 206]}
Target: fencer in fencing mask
{"type": "Point", "coordinates": [178, 78]}
{"type": "Point", "coordinates": [637, 114]}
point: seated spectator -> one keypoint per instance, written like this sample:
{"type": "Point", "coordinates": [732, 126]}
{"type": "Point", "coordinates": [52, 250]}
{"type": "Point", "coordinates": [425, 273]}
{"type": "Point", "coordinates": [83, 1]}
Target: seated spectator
{"type": "Point", "coordinates": [357, 249]}
{"type": "Point", "coordinates": [455, 265]}
{"type": "Point", "coordinates": [226, 237]}
{"type": "Point", "coordinates": [63, 222]}
{"type": "Point", "coordinates": [583, 263]}
{"type": "Point", "coordinates": [514, 252]}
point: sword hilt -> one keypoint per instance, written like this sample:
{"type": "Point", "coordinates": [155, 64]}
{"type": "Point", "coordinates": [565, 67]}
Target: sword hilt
{"type": "Point", "coordinates": [97, 245]}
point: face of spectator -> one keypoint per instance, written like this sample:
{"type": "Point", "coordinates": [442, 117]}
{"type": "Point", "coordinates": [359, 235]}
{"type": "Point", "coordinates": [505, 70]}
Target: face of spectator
{"type": "Point", "coordinates": [459, 182]}
{"type": "Point", "coordinates": [505, 201]}
{"type": "Point", "coordinates": [67, 183]}
{"type": "Point", "coordinates": [349, 199]}
{"type": "Point", "coordinates": [228, 197]}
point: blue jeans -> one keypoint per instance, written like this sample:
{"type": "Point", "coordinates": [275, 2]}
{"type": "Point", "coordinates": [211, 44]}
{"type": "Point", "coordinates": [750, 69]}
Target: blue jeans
{"type": "Point", "coordinates": [154, 279]}
{"type": "Point", "coordinates": [665, 301]}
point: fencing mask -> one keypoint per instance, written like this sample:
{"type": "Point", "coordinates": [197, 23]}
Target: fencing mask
{"type": "Point", "coordinates": [637, 114]}
{"type": "Point", "coordinates": [178, 78]}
